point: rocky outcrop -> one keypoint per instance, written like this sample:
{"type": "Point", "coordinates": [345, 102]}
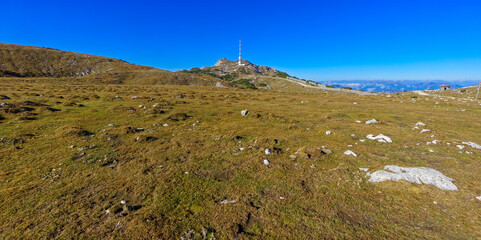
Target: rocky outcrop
{"type": "Point", "coordinates": [226, 67]}
{"type": "Point", "coordinates": [419, 175]}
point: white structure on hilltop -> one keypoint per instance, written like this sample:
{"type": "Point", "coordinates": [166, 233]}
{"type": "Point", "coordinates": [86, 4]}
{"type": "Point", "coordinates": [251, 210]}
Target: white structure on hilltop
{"type": "Point", "coordinates": [240, 63]}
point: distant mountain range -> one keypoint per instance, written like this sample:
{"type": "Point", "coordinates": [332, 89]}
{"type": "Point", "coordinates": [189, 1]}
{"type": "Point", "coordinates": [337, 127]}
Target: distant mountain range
{"type": "Point", "coordinates": [390, 86]}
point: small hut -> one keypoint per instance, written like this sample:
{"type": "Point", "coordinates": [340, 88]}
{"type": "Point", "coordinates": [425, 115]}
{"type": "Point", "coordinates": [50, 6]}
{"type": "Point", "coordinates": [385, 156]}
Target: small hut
{"type": "Point", "coordinates": [445, 87]}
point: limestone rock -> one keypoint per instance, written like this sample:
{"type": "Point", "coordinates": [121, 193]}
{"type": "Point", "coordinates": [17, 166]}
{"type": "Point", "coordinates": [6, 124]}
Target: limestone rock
{"type": "Point", "coordinates": [418, 175]}
{"type": "Point", "coordinates": [349, 152]}
{"type": "Point", "coordinates": [371, 121]}
{"type": "Point", "coordinates": [473, 145]}
{"type": "Point", "coordinates": [380, 138]}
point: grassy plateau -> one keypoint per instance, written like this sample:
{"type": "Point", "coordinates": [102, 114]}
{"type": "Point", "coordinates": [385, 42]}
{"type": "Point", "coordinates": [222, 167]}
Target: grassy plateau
{"type": "Point", "coordinates": [83, 160]}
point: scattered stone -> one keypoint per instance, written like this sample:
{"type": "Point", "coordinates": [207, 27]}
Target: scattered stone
{"type": "Point", "coordinates": [371, 121]}
{"type": "Point", "coordinates": [293, 156]}
{"type": "Point", "coordinates": [326, 151]}
{"type": "Point", "coordinates": [349, 152]}
{"type": "Point", "coordinates": [479, 198]}
{"type": "Point", "coordinates": [460, 146]}
{"type": "Point", "coordinates": [165, 125]}
{"type": "Point", "coordinates": [227, 201]}
{"type": "Point", "coordinates": [364, 169]}
{"type": "Point", "coordinates": [244, 112]}
{"type": "Point", "coordinates": [418, 175]}
{"type": "Point", "coordinates": [328, 132]}
{"type": "Point", "coordinates": [267, 151]}
{"type": "Point", "coordinates": [111, 125]}
{"type": "Point", "coordinates": [473, 145]}
{"type": "Point", "coordinates": [86, 147]}
{"type": "Point", "coordinates": [425, 130]}
{"type": "Point", "coordinates": [266, 162]}
{"type": "Point", "coordinates": [357, 121]}
{"type": "Point", "coordinates": [123, 202]}
{"type": "Point", "coordinates": [218, 84]}
{"type": "Point", "coordinates": [380, 138]}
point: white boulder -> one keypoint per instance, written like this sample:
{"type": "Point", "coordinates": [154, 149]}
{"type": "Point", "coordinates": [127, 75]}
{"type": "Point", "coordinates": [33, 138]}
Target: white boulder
{"type": "Point", "coordinates": [371, 121]}
{"type": "Point", "coordinates": [349, 152]}
{"type": "Point", "coordinates": [380, 138]}
{"type": "Point", "coordinates": [267, 151]}
{"type": "Point", "coordinates": [473, 145]}
{"type": "Point", "coordinates": [418, 175]}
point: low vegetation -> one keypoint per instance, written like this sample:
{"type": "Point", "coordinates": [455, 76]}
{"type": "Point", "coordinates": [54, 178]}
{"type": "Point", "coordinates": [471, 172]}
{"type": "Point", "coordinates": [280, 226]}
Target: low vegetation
{"type": "Point", "coordinates": [85, 159]}
{"type": "Point", "coordinates": [244, 83]}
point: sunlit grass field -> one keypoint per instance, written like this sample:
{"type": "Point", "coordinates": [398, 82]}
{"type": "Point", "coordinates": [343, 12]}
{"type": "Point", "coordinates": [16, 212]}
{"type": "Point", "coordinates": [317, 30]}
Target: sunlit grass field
{"type": "Point", "coordinates": [187, 163]}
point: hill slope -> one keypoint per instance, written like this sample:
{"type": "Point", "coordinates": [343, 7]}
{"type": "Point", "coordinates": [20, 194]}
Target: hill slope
{"type": "Point", "coordinates": [27, 62]}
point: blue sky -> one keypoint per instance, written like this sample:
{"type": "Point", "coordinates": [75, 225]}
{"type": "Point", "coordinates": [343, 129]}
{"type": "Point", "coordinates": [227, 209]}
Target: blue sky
{"type": "Point", "coordinates": [319, 40]}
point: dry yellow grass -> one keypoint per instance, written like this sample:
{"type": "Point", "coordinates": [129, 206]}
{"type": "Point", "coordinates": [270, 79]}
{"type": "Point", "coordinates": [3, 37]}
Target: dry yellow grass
{"type": "Point", "coordinates": [174, 177]}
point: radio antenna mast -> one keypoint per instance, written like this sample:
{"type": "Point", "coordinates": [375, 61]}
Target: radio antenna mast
{"type": "Point", "coordinates": [240, 63]}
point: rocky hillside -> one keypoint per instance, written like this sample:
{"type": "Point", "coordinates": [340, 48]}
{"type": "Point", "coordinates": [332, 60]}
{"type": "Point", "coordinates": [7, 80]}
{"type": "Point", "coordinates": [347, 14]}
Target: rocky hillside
{"type": "Point", "coordinates": [32, 62]}
{"type": "Point", "coordinates": [227, 69]}
{"type": "Point", "coordinates": [224, 66]}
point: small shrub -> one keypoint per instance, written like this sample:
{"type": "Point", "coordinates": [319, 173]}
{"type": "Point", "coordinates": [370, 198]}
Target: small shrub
{"type": "Point", "coordinates": [246, 83]}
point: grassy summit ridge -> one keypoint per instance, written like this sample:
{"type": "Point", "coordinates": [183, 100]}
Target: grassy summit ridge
{"type": "Point", "coordinates": [33, 62]}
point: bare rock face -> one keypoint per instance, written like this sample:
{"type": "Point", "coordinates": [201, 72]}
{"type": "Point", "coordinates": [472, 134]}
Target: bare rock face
{"type": "Point", "coordinates": [224, 67]}
{"type": "Point", "coordinates": [418, 175]}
